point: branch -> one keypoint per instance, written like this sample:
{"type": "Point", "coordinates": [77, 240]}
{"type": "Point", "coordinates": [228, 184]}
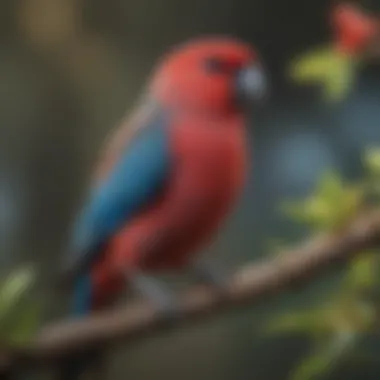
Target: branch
{"type": "Point", "coordinates": [250, 285]}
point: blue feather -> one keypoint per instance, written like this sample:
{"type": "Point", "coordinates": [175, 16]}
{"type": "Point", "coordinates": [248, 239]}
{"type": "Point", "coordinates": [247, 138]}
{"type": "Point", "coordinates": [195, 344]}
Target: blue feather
{"type": "Point", "coordinates": [135, 181]}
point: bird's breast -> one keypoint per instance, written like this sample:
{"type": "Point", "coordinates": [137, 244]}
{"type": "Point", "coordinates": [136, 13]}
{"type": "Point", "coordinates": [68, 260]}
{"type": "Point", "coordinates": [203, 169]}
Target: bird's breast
{"type": "Point", "coordinates": [209, 165]}
{"type": "Point", "coordinates": [213, 158]}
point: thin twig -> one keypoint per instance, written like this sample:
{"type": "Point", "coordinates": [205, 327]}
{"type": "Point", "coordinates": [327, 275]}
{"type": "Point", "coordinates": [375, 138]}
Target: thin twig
{"type": "Point", "coordinates": [251, 284]}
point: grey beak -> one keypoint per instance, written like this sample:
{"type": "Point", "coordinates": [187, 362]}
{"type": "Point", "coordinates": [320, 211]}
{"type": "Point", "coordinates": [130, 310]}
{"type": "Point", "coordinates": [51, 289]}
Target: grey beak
{"type": "Point", "coordinates": [251, 83]}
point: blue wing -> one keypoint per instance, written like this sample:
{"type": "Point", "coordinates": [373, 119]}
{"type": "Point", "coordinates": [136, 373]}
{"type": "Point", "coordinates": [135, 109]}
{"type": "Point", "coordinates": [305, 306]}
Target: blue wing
{"type": "Point", "coordinates": [135, 181]}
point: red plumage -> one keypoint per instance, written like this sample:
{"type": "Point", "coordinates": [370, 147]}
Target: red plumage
{"type": "Point", "coordinates": [201, 190]}
{"type": "Point", "coordinates": [200, 193]}
{"type": "Point", "coordinates": [208, 146]}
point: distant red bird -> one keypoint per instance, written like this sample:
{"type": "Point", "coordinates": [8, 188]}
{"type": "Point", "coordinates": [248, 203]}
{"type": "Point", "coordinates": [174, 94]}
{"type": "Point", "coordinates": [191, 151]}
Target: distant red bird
{"type": "Point", "coordinates": [169, 176]}
{"type": "Point", "coordinates": [354, 29]}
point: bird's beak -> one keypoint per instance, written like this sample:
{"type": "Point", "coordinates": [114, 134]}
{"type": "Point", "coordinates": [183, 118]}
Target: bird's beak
{"type": "Point", "coordinates": [251, 85]}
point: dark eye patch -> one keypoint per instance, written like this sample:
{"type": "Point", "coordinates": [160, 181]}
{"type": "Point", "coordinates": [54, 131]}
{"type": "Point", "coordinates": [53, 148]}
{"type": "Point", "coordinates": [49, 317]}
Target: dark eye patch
{"type": "Point", "coordinates": [217, 65]}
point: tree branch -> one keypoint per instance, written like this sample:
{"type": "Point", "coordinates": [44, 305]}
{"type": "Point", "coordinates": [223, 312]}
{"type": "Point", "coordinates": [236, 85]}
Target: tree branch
{"type": "Point", "coordinates": [251, 284]}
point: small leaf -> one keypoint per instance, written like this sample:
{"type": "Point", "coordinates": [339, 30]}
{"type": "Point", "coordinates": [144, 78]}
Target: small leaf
{"type": "Point", "coordinates": [341, 202]}
{"type": "Point", "coordinates": [334, 72]}
{"type": "Point", "coordinates": [310, 322]}
{"type": "Point", "coordinates": [13, 289]}
{"type": "Point", "coordinates": [331, 206]}
{"type": "Point", "coordinates": [313, 366]}
{"type": "Point", "coordinates": [311, 66]}
{"type": "Point", "coordinates": [330, 186]}
{"type": "Point", "coordinates": [363, 272]}
{"type": "Point", "coordinates": [372, 161]}
{"type": "Point", "coordinates": [312, 212]}
{"type": "Point", "coordinates": [318, 365]}
{"type": "Point", "coordinates": [350, 204]}
{"type": "Point", "coordinates": [340, 80]}
{"type": "Point", "coordinates": [318, 210]}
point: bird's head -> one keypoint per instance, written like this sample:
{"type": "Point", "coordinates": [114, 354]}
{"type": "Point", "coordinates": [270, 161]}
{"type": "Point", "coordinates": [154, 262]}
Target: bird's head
{"type": "Point", "coordinates": [217, 75]}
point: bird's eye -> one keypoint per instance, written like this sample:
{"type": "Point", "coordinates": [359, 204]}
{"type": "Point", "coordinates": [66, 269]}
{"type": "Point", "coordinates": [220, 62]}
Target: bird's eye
{"type": "Point", "coordinates": [215, 65]}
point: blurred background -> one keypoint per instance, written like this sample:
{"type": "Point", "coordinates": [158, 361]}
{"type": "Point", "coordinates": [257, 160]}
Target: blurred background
{"type": "Point", "coordinates": [71, 69]}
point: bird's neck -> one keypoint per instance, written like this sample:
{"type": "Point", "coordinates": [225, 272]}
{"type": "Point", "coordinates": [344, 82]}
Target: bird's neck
{"type": "Point", "coordinates": [214, 116]}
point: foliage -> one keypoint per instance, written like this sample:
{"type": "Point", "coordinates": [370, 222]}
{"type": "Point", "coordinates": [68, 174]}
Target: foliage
{"type": "Point", "coordinates": [332, 205]}
{"type": "Point", "coordinates": [19, 311]}
{"type": "Point", "coordinates": [338, 326]}
{"type": "Point", "coordinates": [325, 66]}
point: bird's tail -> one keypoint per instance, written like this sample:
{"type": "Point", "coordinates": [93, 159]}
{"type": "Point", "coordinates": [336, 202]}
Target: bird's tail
{"type": "Point", "coordinates": [74, 367]}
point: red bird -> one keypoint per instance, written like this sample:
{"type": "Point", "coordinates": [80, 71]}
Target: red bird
{"type": "Point", "coordinates": [168, 179]}
{"type": "Point", "coordinates": [169, 176]}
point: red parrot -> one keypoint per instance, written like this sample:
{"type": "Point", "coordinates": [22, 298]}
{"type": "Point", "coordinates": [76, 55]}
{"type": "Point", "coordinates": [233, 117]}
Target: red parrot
{"type": "Point", "coordinates": [169, 175]}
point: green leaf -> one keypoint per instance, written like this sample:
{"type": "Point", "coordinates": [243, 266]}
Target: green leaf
{"type": "Point", "coordinates": [326, 356]}
{"type": "Point", "coordinates": [340, 80]}
{"type": "Point", "coordinates": [330, 186]}
{"type": "Point", "coordinates": [311, 66]}
{"type": "Point", "coordinates": [333, 203]}
{"type": "Point", "coordinates": [334, 72]}
{"type": "Point", "coordinates": [330, 205]}
{"type": "Point", "coordinates": [13, 289]}
{"type": "Point", "coordinates": [310, 322]}
{"type": "Point", "coordinates": [363, 272]}
{"type": "Point", "coordinates": [312, 367]}
{"type": "Point", "coordinates": [372, 161]}
{"type": "Point", "coordinates": [312, 212]}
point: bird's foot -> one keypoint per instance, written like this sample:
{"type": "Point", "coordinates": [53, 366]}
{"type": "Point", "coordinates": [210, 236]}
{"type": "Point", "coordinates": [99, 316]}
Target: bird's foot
{"type": "Point", "coordinates": [163, 299]}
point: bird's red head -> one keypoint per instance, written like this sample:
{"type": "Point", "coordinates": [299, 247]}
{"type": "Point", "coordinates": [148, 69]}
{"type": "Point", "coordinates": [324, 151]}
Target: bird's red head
{"type": "Point", "coordinates": [216, 75]}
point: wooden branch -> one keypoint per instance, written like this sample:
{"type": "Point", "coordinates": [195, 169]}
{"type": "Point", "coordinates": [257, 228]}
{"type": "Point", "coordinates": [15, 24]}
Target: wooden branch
{"type": "Point", "coordinates": [251, 284]}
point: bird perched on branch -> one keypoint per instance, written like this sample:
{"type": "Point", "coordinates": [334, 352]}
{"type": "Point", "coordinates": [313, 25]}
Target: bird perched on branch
{"type": "Point", "coordinates": [168, 177]}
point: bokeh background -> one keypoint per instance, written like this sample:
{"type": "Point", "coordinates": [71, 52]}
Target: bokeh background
{"type": "Point", "coordinates": [71, 69]}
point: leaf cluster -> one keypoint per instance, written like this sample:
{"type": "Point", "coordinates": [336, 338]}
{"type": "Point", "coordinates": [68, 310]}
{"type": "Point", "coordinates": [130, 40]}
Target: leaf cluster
{"type": "Point", "coordinates": [20, 312]}
{"type": "Point", "coordinates": [339, 325]}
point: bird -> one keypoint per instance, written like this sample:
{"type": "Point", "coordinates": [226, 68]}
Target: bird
{"type": "Point", "coordinates": [168, 176]}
